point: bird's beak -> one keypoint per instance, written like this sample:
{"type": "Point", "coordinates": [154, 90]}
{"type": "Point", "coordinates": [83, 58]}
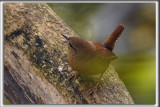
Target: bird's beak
{"type": "Point", "coordinates": [66, 37]}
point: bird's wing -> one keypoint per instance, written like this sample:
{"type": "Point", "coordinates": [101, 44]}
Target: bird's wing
{"type": "Point", "coordinates": [102, 52]}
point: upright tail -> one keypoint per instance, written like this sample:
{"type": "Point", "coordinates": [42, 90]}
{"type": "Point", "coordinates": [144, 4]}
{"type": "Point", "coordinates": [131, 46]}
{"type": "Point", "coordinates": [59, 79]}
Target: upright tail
{"type": "Point", "coordinates": [110, 41]}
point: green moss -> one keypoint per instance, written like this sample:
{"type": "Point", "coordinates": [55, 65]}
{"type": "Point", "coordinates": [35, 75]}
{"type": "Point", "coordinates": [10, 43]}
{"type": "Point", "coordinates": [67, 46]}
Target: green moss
{"type": "Point", "coordinates": [6, 101]}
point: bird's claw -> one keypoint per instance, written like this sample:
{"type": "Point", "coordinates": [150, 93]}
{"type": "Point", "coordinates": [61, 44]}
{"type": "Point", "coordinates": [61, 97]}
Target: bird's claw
{"type": "Point", "coordinates": [73, 75]}
{"type": "Point", "coordinates": [93, 90]}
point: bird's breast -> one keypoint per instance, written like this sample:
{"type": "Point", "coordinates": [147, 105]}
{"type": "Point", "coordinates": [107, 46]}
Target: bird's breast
{"type": "Point", "coordinates": [87, 66]}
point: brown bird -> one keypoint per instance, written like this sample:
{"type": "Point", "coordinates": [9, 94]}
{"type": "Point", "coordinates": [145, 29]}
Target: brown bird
{"type": "Point", "coordinates": [91, 57]}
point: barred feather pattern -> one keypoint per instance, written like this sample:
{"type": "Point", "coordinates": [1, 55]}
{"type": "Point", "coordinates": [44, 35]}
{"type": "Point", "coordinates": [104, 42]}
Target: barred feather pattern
{"type": "Point", "coordinates": [110, 41]}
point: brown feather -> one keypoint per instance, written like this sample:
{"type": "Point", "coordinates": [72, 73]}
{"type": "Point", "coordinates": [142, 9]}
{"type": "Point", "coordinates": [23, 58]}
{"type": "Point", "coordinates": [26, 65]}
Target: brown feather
{"type": "Point", "coordinates": [110, 41]}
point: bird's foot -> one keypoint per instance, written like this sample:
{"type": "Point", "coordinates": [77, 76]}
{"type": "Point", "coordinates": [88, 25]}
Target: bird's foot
{"type": "Point", "coordinates": [93, 90]}
{"type": "Point", "coordinates": [73, 75]}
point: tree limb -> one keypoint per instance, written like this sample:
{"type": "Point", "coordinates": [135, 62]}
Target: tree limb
{"type": "Point", "coordinates": [36, 69]}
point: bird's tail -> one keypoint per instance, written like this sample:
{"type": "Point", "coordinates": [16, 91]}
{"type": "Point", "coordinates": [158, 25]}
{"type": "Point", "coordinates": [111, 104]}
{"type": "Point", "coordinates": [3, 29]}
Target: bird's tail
{"type": "Point", "coordinates": [110, 41]}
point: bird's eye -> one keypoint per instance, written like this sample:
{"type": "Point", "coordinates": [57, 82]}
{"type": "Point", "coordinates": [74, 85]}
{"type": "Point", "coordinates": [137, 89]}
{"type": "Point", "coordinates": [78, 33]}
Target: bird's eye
{"type": "Point", "coordinates": [70, 45]}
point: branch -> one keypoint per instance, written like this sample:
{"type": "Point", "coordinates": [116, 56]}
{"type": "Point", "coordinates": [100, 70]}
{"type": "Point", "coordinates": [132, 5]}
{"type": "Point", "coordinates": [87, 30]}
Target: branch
{"type": "Point", "coordinates": [36, 69]}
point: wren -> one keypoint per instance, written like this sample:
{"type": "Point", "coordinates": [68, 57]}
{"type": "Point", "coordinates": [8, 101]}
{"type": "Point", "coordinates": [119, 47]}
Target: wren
{"type": "Point", "coordinates": [91, 57]}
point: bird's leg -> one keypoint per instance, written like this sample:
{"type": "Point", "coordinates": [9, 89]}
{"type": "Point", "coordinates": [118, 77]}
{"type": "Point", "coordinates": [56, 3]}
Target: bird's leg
{"type": "Point", "coordinates": [73, 75]}
{"type": "Point", "coordinates": [93, 90]}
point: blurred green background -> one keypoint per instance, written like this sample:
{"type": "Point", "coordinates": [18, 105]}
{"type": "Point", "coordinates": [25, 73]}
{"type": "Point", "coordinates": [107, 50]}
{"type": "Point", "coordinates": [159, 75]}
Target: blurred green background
{"type": "Point", "coordinates": [136, 65]}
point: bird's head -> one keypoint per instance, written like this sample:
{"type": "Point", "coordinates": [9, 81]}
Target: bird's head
{"type": "Point", "coordinates": [78, 45]}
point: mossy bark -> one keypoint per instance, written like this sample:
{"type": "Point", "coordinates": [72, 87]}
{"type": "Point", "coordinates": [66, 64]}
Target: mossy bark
{"type": "Point", "coordinates": [36, 68]}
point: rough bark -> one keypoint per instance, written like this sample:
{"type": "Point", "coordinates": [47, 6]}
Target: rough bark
{"type": "Point", "coordinates": [36, 69]}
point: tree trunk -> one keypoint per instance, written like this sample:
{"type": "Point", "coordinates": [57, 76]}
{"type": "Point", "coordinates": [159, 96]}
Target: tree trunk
{"type": "Point", "coordinates": [36, 69]}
